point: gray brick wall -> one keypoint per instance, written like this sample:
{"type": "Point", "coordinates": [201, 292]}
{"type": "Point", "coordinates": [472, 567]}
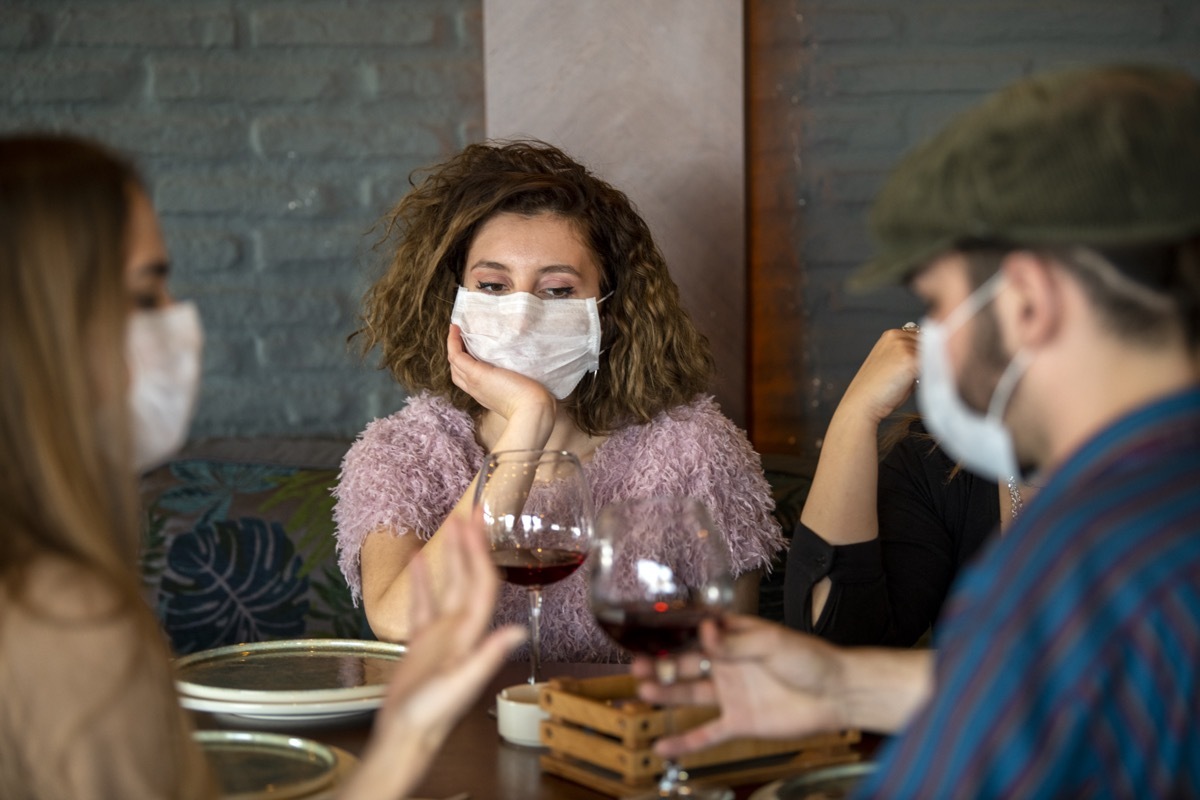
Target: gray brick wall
{"type": "Point", "coordinates": [272, 135]}
{"type": "Point", "coordinates": [872, 78]}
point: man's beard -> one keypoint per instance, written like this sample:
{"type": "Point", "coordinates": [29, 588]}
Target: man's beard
{"type": "Point", "coordinates": [985, 361]}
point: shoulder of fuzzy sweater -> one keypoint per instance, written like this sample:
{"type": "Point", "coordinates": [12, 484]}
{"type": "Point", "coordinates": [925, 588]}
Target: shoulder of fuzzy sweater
{"type": "Point", "coordinates": [424, 412]}
{"type": "Point", "coordinates": [693, 439]}
{"type": "Point", "coordinates": [699, 419]}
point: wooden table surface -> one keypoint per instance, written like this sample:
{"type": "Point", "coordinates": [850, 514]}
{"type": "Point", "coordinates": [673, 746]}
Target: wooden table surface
{"type": "Point", "coordinates": [474, 758]}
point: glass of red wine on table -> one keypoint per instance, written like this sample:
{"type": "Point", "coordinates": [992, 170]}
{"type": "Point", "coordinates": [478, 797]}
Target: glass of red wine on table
{"type": "Point", "coordinates": [537, 510]}
{"type": "Point", "coordinates": [659, 568]}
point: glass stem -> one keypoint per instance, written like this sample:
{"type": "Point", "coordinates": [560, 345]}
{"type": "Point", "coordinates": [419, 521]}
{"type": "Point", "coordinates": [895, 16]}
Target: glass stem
{"type": "Point", "coordinates": [669, 783]}
{"type": "Point", "coordinates": [535, 639]}
{"type": "Point", "coordinates": [672, 779]}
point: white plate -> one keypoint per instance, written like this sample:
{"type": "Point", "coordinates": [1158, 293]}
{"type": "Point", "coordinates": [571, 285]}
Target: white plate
{"type": "Point", "coordinates": [293, 671]}
{"type": "Point", "coordinates": [330, 711]}
{"type": "Point", "coordinates": [254, 766]}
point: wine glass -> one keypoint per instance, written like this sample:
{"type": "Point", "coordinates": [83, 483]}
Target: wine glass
{"type": "Point", "coordinates": [537, 510]}
{"type": "Point", "coordinates": [659, 568]}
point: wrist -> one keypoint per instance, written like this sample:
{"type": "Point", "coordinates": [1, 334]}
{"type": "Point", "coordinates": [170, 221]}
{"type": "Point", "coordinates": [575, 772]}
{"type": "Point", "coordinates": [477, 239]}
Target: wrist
{"type": "Point", "coordinates": [528, 428]}
{"type": "Point", "coordinates": [391, 766]}
{"type": "Point", "coordinates": [880, 689]}
{"type": "Point", "coordinates": [834, 687]}
{"type": "Point", "coordinates": [859, 415]}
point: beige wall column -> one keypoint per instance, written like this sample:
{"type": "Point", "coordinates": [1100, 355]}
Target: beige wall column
{"type": "Point", "coordinates": [650, 95]}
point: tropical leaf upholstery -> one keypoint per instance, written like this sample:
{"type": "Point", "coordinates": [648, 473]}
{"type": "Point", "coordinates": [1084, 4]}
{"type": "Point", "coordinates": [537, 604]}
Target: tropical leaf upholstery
{"type": "Point", "coordinates": [236, 550]}
{"type": "Point", "coordinates": [233, 581]}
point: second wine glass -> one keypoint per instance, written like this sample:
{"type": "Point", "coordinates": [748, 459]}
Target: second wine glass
{"type": "Point", "coordinates": [660, 567]}
{"type": "Point", "coordinates": [537, 510]}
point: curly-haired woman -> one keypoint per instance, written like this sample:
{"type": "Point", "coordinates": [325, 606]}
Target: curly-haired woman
{"type": "Point", "coordinates": [522, 245]}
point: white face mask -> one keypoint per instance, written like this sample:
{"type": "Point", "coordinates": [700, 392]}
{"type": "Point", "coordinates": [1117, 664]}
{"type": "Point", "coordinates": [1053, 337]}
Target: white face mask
{"type": "Point", "coordinates": [554, 342]}
{"type": "Point", "coordinates": [163, 349]}
{"type": "Point", "coordinates": [979, 442]}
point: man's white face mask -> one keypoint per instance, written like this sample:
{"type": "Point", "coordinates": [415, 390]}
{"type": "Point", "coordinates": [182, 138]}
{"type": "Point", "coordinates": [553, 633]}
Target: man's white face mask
{"type": "Point", "coordinates": [554, 342]}
{"type": "Point", "coordinates": [980, 442]}
{"type": "Point", "coordinates": [163, 350]}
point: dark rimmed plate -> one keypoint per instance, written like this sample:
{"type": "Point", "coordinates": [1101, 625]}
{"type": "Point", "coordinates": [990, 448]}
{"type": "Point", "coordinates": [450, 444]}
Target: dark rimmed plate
{"type": "Point", "coordinates": [824, 783]}
{"type": "Point", "coordinates": [290, 671]}
{"type": "Point", "coordinates": [256, 766]}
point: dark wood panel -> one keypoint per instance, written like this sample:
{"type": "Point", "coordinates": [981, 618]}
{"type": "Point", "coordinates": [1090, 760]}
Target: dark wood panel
{"type": "Point", "coordinates": [776, 228]}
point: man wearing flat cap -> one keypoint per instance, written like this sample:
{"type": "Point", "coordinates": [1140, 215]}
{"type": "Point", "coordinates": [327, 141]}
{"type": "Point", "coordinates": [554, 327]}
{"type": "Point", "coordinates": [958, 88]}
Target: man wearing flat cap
{"type": "Point", "coordinates": [1053, 233]}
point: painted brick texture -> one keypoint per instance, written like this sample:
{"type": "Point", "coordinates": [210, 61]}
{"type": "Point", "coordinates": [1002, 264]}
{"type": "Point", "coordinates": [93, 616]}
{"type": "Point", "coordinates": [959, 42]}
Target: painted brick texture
{"type": "Point", "coordinates": [871, 79]}
{"type": "Point", "coordinates": [272, 136]}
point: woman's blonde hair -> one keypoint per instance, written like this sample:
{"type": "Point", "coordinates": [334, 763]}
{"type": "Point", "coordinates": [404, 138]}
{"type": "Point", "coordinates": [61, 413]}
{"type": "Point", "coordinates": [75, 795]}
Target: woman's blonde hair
{"type": "Point", "coordinates": [66, 483]}
{"type": "Point", "coordinates": [67, 488]}
{"type": "Point", "coordinates": [653, 357]}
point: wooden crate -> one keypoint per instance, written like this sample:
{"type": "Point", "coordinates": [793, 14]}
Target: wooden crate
{"type": "Point", "coordinates": [600, 735]}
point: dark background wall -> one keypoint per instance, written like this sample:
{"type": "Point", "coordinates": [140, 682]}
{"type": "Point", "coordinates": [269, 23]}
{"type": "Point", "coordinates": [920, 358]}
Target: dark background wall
{"type": "Point", "coordinates": [273, 134]}
{"type": "Point", "coordinates": [839, 90]}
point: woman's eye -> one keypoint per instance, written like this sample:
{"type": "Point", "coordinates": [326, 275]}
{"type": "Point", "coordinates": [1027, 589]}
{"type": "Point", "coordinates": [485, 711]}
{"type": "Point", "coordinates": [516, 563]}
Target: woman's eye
{"type": "Point", "coordinates": [559, 292]}
{"type": "Point", "coordinates": [490, 288]}
{"type": "Point", "coordinates": [145, 302]}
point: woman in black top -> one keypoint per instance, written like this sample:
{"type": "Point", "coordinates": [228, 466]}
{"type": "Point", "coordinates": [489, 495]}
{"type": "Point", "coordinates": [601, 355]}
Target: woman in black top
{"type": "Point", "coordinates": [879, 544]}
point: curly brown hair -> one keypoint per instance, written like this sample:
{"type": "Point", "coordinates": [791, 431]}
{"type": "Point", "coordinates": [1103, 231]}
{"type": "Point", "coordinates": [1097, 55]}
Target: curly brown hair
{"type": "Point", "coordinates": [654, 359]}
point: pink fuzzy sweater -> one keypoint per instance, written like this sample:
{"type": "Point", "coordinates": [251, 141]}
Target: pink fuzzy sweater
{"type": "Point", "coordinates": [408, 470]}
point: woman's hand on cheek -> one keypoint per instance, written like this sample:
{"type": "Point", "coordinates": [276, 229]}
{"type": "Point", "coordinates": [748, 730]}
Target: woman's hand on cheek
{"type": "Point", "coordinates": [503, 391]}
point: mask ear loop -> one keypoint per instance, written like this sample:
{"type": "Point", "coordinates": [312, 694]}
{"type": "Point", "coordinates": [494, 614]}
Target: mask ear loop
{"type": "Point", "coordinates": [450, 300]}
{"type": "Point", "coordinates": [1008, 383]}
{"type": "Point", "coordinates": [969, 307]}
{"type": "Point", "coordinates": [1017, 365]}
{"type": "Point", "coordinates": [1012, 374]}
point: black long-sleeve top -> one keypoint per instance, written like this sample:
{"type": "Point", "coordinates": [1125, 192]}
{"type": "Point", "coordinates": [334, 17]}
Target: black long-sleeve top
{"type": "Point", "coordinates": [890, 590]}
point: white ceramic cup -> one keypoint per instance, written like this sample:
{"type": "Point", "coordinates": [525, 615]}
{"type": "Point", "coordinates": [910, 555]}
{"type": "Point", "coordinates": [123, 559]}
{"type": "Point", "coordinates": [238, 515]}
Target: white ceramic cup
{"type": "Point", "coordinates": [518, 714]}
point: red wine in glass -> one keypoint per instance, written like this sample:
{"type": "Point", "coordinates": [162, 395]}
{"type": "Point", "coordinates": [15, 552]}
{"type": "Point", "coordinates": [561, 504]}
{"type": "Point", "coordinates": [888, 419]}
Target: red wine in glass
{"type": "Point", "coordinates": [540, 567]}
{"type": "Point", "coordinates": [653, 629]}
{"type": "Point", "coordinates": [659, 568]}
{"type": "Point", "coordinates": [537, 511]}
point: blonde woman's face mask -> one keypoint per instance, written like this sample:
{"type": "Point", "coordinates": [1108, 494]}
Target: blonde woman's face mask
{"type": "Point", "coordinates": [163, 344]}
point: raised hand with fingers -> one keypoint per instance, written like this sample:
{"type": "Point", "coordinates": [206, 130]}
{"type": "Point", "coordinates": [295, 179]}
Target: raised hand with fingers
{"type": "Point", "coordinates": [841, 505]}
{"type": "Point", "coordinates": [451, 656]}
{"type": "Point", "coordinates": [886, 378]}
{"type": "Point", "coordinates": [768, 682]}
{"type": "Point", "coordinates": [771, 682]}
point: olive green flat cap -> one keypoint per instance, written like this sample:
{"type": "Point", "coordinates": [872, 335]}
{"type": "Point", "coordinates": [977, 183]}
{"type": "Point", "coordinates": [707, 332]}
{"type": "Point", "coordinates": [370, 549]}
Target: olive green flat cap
{"type": "Point", "coordinates": [1106, 156]}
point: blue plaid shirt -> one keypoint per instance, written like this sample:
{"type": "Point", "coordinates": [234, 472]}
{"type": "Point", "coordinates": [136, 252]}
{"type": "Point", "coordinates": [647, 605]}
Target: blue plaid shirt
{"type": "Point", "coordinates": [1068, 659]}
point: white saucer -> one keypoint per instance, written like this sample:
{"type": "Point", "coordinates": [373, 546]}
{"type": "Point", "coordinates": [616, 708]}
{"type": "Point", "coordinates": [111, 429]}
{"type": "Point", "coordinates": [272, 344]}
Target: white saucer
{"type": "Point", "coordinates": [323, 712]}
